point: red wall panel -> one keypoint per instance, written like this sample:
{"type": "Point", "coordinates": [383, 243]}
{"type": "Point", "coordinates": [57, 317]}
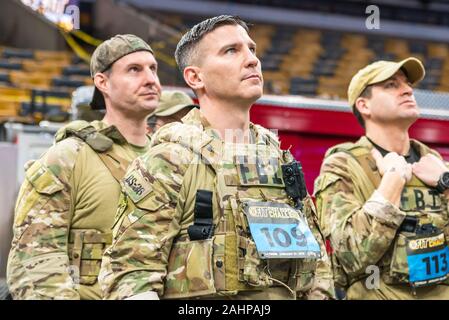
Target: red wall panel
{"type": "Point", "coordinates": [310, 132]}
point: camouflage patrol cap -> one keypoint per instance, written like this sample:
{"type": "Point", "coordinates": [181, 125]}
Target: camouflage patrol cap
{"type": "Point", "coordinates": [380, 71]}
{"type": "Point", "coordinates": [172, 102]}
{"type": "Point", "coordinates": [109, 52]}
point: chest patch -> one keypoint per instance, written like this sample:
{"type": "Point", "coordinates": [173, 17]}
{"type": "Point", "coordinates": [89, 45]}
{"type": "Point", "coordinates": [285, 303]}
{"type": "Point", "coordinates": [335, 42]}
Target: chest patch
{"type": "Point", "coordinates": [136, 186]}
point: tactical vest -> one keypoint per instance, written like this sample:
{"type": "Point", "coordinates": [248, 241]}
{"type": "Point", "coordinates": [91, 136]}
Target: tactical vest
{"type": "Point", "coordinates": [423, 205]}
{"type": "Point", "coordinates": [244, 177]}
{"type": "Point", "coordinates": [86, 246]}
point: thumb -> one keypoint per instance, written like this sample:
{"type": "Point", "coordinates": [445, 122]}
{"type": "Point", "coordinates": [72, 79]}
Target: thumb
{"type": "Point", "coordinates": [409, 171]}
{"type": "Point", "coordinates": [415, 167]}
{"type": "Point", "coordinates": [376, 155]}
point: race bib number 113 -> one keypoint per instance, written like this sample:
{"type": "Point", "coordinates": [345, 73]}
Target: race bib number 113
{"type": "Point", "coordinates": [428, 258]}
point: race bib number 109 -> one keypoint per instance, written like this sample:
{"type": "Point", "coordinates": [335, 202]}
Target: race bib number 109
{"type": "Point", "coordinates": [279, 231]}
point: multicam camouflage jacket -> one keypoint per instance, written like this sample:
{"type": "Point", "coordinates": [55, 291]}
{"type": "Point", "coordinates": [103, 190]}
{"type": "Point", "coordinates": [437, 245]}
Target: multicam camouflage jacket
{"type": "Point", "coordinates": [363, 227]}
{"type": "Point", "coordinates": [64, 213]}
{"type": "Point", "coordinates": [152, 251]}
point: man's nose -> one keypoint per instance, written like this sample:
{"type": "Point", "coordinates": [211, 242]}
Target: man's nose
{"type": "Point", "coordinates": [150, 76]}
{"type": "Point", "coordinates": [406, 89]}
{"type": "Point", "coordinates": [251, 58]}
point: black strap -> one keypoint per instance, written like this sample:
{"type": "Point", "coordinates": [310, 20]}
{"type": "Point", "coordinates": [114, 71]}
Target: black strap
{"type": "Point", "coordinates": [409, 224]}
{"type": "Point", "coordinates": [203, 223]}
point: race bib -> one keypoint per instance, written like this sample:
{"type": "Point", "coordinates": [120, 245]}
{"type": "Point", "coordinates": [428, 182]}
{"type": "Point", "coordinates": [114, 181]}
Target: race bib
{"type": "Point", "coordinates": [280, 232]}
{"type": "Point", "coordinates": [427, 257]}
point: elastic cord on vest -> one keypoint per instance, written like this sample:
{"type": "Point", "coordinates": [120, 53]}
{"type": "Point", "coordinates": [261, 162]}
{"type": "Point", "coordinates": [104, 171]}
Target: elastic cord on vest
{"type": "Point", "coordinates": [293, 293]}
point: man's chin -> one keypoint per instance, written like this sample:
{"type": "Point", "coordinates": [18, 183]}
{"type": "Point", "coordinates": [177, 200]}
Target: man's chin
{"type": "Point", "coordinates": [150, 107]}
{"type": "Point", "coordinates": [414, 115]}
{"type": "Point", "coordinates": [254, 94]}
{"type": "Point", "coordinates": [409, 119]}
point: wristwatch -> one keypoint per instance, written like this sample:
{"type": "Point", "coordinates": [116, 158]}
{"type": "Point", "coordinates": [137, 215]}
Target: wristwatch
{"type": "Point", "coordinates": [443, 182]}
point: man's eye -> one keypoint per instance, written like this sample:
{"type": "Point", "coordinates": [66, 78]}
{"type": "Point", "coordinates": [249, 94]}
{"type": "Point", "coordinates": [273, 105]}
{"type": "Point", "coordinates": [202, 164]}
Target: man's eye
{"type": "Point", "coordinates": [253, 50]}
{"type": "Point", "coordinates": [230, 50]}
{"type": "Point", "coordinates": [133, 69]}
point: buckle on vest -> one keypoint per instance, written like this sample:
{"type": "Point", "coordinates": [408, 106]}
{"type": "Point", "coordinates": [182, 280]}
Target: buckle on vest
{"type": "Point", "coordinates": [409, 224]}
{"type": "Point", "coordinates": [427, 229]}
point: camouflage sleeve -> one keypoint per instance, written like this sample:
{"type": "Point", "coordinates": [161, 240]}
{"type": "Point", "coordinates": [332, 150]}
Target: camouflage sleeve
{"type": "Point", "coordinates": [323, 283]}
{"type": "Point", "coordinates": [38, 264]}
{"type": "Point", "coordinates": [147, 221]}
{"type": "Point", "coordinates": [360, 227]}
{"type": "Point", "coordinates": [446, 194]}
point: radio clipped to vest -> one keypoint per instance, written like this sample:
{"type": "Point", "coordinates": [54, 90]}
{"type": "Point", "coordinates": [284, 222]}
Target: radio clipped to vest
{"type": "Point", "coordinates": [295, 185]}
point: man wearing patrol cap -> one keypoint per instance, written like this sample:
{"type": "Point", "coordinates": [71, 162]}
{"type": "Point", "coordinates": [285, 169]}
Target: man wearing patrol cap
{"type": "Point", "coordinates": [173, 106]}
{"type": "Point", "coordinates": [66, 205]}
{"type": "Point", "coordinates": [380, 197]}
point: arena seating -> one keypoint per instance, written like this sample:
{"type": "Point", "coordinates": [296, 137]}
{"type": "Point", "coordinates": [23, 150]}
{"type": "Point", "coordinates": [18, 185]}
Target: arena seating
{"type": "Point", "coordinates": [36, 85]}
{"type": "Point", "coordinates": [321, 63]}
{"type": "Point", "coordinates": [296, 61]}
{"type": "Point", "coordinates": [312, 62]}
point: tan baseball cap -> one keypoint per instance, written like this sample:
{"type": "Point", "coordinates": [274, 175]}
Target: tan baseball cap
{"type": "Point", "coordinates": [380, 71]}
{"type": "Point", "coordinates": [109, 52]}
{"type": "Point", "coordinates": [171, 102]}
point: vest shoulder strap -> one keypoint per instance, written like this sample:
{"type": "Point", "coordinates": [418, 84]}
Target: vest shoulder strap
{"type": "Point", "coordinates": [363, 157]}
{"type": "Point", "coordinates": [270, 137]}
{"type": "Point", "coordinates": [205, 148]}
{"type": "Point", "coordinates": [116, 165]}
{"type": "Point", "coordinates": [86, 132]}
{"type": "Point", "coordinates": [101, 144]}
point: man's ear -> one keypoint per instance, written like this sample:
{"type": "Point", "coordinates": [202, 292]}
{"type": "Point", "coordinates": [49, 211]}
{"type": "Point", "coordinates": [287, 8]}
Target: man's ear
{"type": "Point", "coordinates": [101, 82]}
{"type": "Point", "coordinates": [363, 106]}
{"type": "Point", "coordinates": [193, 78]}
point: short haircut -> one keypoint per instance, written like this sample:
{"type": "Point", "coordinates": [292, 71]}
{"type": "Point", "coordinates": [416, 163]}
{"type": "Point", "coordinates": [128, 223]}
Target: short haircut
{"type": "Point", "coordinates": [366, 93]}
{"type": "Point", "coordinates": [108, 71]}
{"type": "Point", "coordinates": [186, 50]}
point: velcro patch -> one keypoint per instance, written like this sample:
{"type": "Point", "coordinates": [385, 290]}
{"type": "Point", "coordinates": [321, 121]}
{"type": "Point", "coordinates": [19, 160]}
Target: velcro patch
{"type": "Point", "coordinates": [136, 186]}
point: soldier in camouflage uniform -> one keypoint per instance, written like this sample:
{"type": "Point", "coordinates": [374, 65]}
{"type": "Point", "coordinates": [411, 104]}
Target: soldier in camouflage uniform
{"type": "Point", "coordinates": [173, 106]}
{"type": "Point", "coordinates": [67, 203]}
{"type": "Point", "coordinates": [383, 200]}
{"type": "Point", "coordinates": [205, 212]}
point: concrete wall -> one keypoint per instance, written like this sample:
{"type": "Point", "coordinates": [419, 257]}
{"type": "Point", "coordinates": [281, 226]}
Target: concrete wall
{"type": "Point", "coordinates": [111, 18]}
{"type": "Point", "coordinates": [8, 191]}
{"type": "Point", "coordinates": [21, 27]}
{"type": "Point", "coordinates": [302, 18]}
